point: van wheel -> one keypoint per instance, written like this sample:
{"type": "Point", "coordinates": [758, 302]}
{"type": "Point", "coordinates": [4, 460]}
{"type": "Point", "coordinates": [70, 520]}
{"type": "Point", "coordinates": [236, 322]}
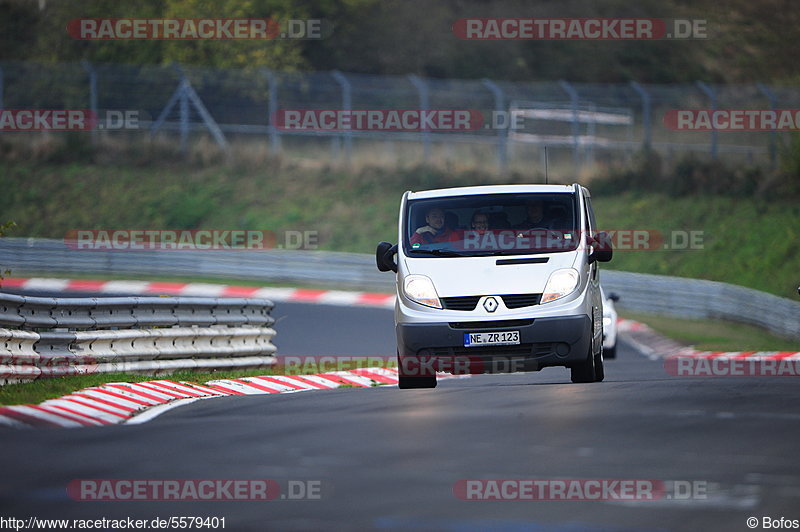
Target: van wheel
{"type": "Point", "coordinates": [407, 382]}
{"type": "Point", "coordinates": [585, 371]}
{"type": "Point", "coordinates": [599, 372]}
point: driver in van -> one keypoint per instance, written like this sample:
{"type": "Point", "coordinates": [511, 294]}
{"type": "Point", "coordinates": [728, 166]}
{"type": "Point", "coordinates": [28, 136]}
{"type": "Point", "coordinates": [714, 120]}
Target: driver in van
{"type": "Point", "coordinates": [534, 209]}
{"type": "Point", "coordinates": [434, 231]}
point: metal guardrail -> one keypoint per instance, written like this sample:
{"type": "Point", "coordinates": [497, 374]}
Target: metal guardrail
{"type": "Point", "coordinates": [150, 335]}
{"type": "Point", "coordinates": [351, 270]}
{"type": "Point", "coordinates": [698, 298]}
{"type": "Point", "coordinates": [28, 312]}
{"type": "Point", "coordinates": [658, 294]}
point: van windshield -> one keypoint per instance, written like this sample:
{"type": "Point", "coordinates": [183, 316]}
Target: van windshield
{"type": "Point", "coordinates": [496, 224]}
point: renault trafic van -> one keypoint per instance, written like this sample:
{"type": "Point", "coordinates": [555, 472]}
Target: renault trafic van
{"type": "Point", "coordinates": [494, 279]}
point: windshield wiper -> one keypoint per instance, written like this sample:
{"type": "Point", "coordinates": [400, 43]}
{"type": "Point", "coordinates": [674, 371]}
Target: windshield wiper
{"type": "Point", "coordinates": [502, 252]}
{"type": "Point", "coordinates": [438, 252]}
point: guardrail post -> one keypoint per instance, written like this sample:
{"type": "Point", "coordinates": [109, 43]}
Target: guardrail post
{"type": "Point", "coordinates": [773, 135]}
{"type": "Point", "coordinates": [711, 95]}
{"type": "Point", "coordinates": [502, 133]}
{"type": "Point", "coordinates": [87, 66]}
{"type": "Point", "coordinates": [573, 96]}
{"type": "Point", "coordinates": [274, 132]}
{"type": "Point", "coordinates": [646, 109]}
{"type": "Point", "coordinates": [347, 105]}
{"type": "Point", "coordinates": [424, 104]}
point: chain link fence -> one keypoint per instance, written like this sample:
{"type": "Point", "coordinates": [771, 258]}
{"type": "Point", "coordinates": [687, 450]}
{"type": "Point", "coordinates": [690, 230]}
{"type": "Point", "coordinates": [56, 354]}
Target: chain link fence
{"type": "Point", "coordinates": [582, 124]}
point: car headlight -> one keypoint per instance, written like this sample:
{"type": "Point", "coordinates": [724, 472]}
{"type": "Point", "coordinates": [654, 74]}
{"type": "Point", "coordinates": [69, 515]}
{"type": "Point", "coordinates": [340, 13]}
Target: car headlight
{"type": "Point", "coordinates": [420, 289]}
{"type": "Point", "coordinates": [561, 283]}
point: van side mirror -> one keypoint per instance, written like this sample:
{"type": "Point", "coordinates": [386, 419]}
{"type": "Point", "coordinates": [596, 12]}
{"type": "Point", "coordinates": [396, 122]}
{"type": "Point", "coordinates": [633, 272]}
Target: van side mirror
{"type": "Point", "coordinates": [613, 297]}
{"type": "Point", "coordinates": [384, 257]}
{"type": "Point", "coordinates": [601, 248]}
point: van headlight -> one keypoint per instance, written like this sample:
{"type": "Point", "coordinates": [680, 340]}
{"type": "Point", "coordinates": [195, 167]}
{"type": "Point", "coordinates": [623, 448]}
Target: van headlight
{"type": "Point", "coordinates": [419, 289]}
{"type": "Point", "coordinates": [561, 283]}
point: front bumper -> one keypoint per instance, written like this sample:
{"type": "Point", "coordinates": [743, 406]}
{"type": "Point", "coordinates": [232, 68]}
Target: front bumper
{"type": "Point", "coordinates": [550, 341]}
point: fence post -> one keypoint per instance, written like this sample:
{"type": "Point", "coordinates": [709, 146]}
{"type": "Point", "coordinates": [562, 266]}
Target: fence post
{"type": "Point", "coordinates": [183, 103]}
{"type": "Point", "coordinates": [183, 95]}
{"type": "Point", "coordinates": [573, 96]}
{"type": "Point", "coordinates": [87, 66]}
{"type": "Point", "coordinates": [773, 135]}
{"type": "Point", "coordinates": [424, 104]}
{"type": "Point", "coordinates": [274, 133]}
{"type": "Point", "coordinates": [347, 105]}
{"type": "Point", "coordinates": [711, 95]}
{"type": "Point", "coordinates": [646, 109]}
{"type": "Point", "coordinates": [502, 133]}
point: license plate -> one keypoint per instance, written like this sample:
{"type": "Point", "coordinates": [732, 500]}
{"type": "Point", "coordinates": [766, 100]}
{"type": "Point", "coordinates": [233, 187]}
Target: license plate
{"type": "Point", "coordinates": [491, 338]}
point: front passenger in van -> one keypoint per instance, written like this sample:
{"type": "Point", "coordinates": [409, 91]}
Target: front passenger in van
{"type": "Point", "coordinates": [435, 231]}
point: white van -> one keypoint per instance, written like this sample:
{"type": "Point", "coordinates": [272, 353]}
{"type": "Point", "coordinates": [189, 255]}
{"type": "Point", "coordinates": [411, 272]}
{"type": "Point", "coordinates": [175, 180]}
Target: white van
{"type": "Point", "coordinates": [497, 279]}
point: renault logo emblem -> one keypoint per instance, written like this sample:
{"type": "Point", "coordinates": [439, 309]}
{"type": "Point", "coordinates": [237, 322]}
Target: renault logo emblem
{"type": "Point", "coordinates": [490, 304]}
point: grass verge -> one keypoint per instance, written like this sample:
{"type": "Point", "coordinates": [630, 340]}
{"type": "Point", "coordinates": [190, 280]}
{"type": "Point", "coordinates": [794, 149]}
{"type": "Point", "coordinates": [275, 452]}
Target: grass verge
{"type": "Point", "coordinates": [742, 237]}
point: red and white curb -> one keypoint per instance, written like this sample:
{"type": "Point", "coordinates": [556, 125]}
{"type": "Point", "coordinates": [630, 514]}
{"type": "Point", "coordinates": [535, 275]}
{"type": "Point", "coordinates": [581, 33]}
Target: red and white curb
{"type": "Point", "coordinates": [297, 295]}
{"type": "Point", "coordinates": [136, 402]}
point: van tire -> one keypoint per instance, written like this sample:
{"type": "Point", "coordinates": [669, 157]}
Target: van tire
{"type": "Point", "coordinates": [584, 372]}
{"type": "Point", "coordinates": [407, 382]}
{"type": "Point", "coordinates": [599, 371]}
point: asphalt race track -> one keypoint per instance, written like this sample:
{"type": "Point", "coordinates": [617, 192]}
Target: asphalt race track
{"type": "Point", "coordinates": [386, 459]}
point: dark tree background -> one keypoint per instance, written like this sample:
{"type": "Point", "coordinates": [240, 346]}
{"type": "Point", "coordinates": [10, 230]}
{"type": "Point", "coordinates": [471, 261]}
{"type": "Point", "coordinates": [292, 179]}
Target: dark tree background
{"type": "Point", "coordinates": [749, 39]}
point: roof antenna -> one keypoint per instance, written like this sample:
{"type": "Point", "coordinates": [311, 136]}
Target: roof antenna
{"type": "Point", "coordinates": [545, 165]}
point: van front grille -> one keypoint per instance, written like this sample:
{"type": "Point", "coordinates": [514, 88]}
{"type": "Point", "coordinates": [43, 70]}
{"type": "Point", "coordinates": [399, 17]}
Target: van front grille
{"type": "Point", "coordinates": [498, 324]}
{"type": "Point", "coordinates": [461, 303]}
{"type": "Point", "coordinates": [521, 300]}
{"type": "Point", "coordinates": [541, 349]}
{"type": "Point", "coordinates": [511, 301]}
